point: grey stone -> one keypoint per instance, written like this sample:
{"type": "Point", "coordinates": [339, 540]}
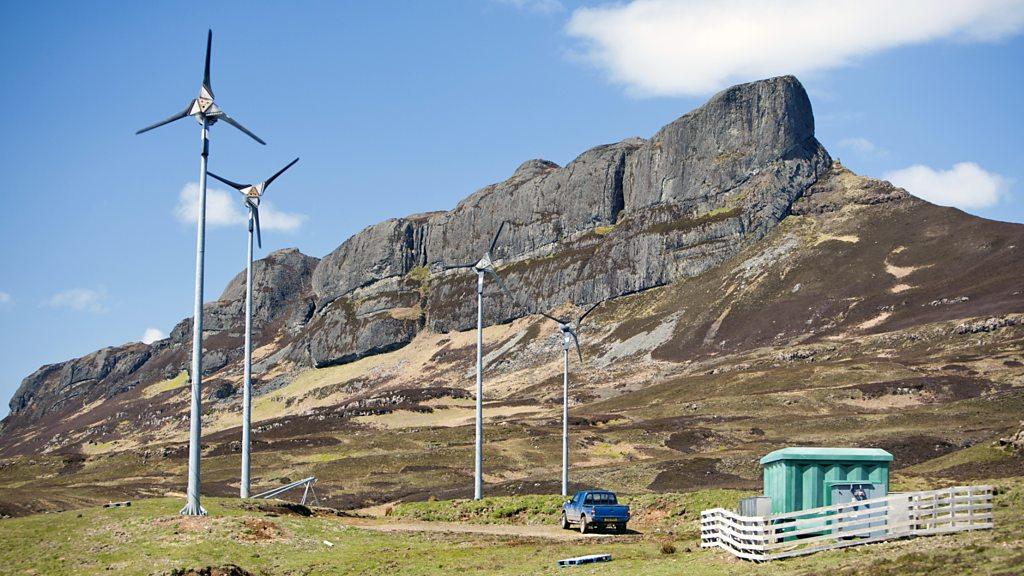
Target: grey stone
{"type": "Point", "coordinates": [282, 300]}
{"type": "Point", "coordinates": [618, 219]}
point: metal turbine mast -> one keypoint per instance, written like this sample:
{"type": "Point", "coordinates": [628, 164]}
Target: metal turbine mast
{"type": "Point", "coordinates": [482, 267]}
{"type": "Point", "coordinates": [570, 335]}
{"type": "Point", "coordinates": [207, 113]}
{"type": "Point", "coordinates": [252, 193]}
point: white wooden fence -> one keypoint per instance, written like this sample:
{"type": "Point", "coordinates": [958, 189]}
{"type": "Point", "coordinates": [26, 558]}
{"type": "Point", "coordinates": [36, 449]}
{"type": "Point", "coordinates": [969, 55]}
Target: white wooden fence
{"type": "Point", "coordinates": [897, 515]}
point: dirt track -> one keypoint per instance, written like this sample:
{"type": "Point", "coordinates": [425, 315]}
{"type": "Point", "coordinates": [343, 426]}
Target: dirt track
{"type": "Point", "coordinates": [548, 532]}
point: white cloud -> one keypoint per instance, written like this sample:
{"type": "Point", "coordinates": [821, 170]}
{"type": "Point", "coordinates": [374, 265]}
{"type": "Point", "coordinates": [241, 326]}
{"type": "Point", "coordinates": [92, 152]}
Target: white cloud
{"type": "Point", "coordinates": [538, 6]}
{"type": "Point", "coordinates": [858, 144]}
{"type": "Point", "coordinates": [224, 208]}
{"type": "Point", "coordinates": [81, 299]}
{"type": "Point", "coordinates": [863, 147]}
{"type": "Point", "coordinates": [152, 335]}
{"type": "Point", "coordinates": [273, 219]}
{"type": "Point", "coordinates": [966, 185]}
{"type": "Point", "coordinates": [666, 47]}
{"type": "Point", "coordinates": [5, 298]}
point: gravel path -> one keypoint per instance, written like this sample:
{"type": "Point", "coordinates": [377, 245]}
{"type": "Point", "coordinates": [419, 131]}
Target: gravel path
{"type": "Point", "coordinates": [549, 532]}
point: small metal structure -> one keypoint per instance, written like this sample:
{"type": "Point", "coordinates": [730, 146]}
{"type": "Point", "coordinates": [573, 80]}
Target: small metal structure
{"type": "Point", "coordinates": [570, 335]}
{"type": "Point", "coordinates": [798, 478]}
{"type": "Point", "coordinates": [207, 113]}
{"type": "Point", "coordinates": [252, 193]}
{"type": "Point", "coordinates": [755, 506]}
{"type": "Point", "coordinates": [590, 559]}
{"type": "Point", "coordinates": [482, 267]}
{"type": "Point", "coordinates": [308, 491]}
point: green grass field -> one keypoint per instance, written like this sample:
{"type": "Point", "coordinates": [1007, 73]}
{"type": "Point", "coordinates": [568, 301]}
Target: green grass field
{"type": "Point", "coordinates": [150, 538]}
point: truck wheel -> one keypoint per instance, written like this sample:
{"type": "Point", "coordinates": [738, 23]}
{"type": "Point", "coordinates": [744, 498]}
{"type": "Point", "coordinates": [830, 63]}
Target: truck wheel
{"type": "Point", "coordinates": [583, 524]}
{"type": "Point", "coordinates": [565, 522]}
{"type": "Point", "coordinates": [620, 527]}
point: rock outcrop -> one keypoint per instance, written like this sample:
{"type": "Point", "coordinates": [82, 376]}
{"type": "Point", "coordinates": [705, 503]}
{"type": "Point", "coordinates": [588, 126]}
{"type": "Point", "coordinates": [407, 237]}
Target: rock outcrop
{"type": "Point", "coordinates": [619, 219]}
{"type": "Point", "coordinates": [282, 302]}
{"type": "Point", "coordinates": [54, 386]}
{"type": "Point", "coordinates": [1015, 441]}
{"type": "Point", "coordinates": [840, 187]}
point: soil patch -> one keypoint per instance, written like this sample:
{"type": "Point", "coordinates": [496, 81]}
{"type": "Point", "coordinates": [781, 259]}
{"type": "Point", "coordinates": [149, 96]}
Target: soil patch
{"type": "Point", "coordinates": [303, 442]}
{"type": "Point", "coordinates": [224, 570]}
{"type": "Point", "coordinates": [694, 474]}
{"type": "Point", "coordinates": [946, 388]}
{"type": "Point", "coordinates": [260, 530]}
{"type": "Point", "coordinates": [450, 355]}
{"type": "Point", "coordinates": [421, 468]}
{"type": "Point", "coordinates": [589, 420]}
{"type": "Point", "coordinates": [687, 441]}
{"type": "Point", "coordinates": [910, 450]}
{"type": "Point", "coordinates": [1011, 467]}
{"type": "Point", "coordinates": [278, 508]}
{"type": "Point", "coordinates": [676, 423]}
{"type": "Point", "coordinates": [71, 463]}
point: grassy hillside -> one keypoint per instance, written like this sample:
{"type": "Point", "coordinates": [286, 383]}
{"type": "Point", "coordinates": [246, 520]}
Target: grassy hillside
{"type": "Point", "coordinates": [670, 513]}
{"type": "Point", "coordinates": [897, 325]}
{"type": "Point", "coordinates": [150, 538]}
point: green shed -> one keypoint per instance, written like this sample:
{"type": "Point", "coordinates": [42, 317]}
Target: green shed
{"type": "Point", "coordinates": [799, 478]}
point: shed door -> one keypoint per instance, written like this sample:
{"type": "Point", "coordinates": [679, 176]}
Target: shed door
{"type": "Point", "coordinates": [854, 492]}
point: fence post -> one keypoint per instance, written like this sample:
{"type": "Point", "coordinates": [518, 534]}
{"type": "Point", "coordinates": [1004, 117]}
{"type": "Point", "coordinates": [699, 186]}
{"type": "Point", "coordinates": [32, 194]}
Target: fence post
{"type": "Point", "coordinates": [952, 507]}
{"type": "Point", "coordinates": [934, 512]}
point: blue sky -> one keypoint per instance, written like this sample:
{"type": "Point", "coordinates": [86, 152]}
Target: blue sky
{"type": "Point", "coordinates": [404, 107]}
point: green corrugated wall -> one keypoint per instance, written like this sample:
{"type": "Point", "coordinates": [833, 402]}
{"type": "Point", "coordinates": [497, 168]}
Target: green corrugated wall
{"type": "Point", "coordinates": [798, 485]}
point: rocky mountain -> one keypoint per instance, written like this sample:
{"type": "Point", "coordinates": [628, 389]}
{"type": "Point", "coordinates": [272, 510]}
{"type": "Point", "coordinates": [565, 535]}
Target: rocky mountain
{"type": "Point", "coordinates": [734, 252]}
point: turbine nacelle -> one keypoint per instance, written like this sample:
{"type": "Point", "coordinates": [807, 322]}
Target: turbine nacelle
{"type": "Point", "coordinates": [203, 105]}
{"type": "Point", "coordinates": [203, 108]}
{"type": "Point", "coordinates": [485, 264]}
{"type": "Point", "coordinates": [570, 334]}
{"type": "Point", "coordinates": [253, 193]}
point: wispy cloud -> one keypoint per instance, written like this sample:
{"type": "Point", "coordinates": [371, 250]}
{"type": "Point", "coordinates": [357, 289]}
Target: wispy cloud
{"type": "Point", "coordinates": [862, 146]}
{"type": "Point", "coordinates": [152, 335]}
{"type": "Point", "coordinates": [5, 298]}
{"type": "Point", "coordinates": [79, 299]}
{"type": "Point", "coordinates": [966, 185]}
{"type": "Point", "coordinates": [666, 47]}
{"type": "Point", "coordinates": [838, 117]}
{"type": "Point", "coordinates": [224, 208]}
{"type": "Point", "coordinates": [536, 6]}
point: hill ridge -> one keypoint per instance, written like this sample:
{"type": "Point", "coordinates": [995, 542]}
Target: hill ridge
{"type": "Point", "coordinates": [760, 294]}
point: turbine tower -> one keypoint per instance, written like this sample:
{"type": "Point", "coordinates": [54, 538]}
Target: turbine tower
{"type": "Point", "coordinates": [252, 193]}
{"type": "Point", "coordinates": [207, 113]}
{"type": "Point", "coordinates": [482, 267]}
{"type": "Point", "coordinates": [570, 335]}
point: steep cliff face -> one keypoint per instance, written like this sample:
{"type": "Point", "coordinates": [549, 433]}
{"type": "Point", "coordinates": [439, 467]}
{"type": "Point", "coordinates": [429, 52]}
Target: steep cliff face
{"type": "Point", "coordinates": [619, 219]}
{"type": "Point", "coordinates": [53, 386]}
{"type": "Point", "coordinates": [761, 295]}
{"type": "Point", "coordinates": [282, 303]}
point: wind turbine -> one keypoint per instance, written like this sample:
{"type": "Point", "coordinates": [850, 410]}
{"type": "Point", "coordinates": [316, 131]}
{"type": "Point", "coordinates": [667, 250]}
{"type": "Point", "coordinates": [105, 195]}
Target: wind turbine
{"type": "Point", "coordinates": [482, 267]}
{"type": "Point", "coordinates": [252, 193]}
{"type": "Point", "coordinates": [569, 336]}
{"type": "Point", "coordinates": [207, 113]}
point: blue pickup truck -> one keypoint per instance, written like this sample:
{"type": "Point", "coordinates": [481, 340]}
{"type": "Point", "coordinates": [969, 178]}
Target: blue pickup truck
{"type": "Point", "coordinates": [595, 509]}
